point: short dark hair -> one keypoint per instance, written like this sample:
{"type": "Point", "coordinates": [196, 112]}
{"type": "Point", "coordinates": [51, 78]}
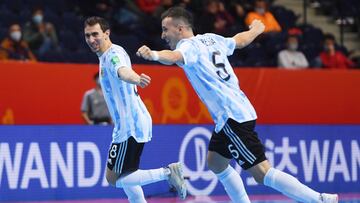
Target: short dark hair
{"type": "Point", "coordinates": [329, 36]}
{"type": "Point", "coordinates": [37, 8]}
{"type": "Point", "coordinates": [180, 13]}
{"type": "Point", "coordinates": [96, 76]}
{"type": "Point", "coordinates": [91, 21]}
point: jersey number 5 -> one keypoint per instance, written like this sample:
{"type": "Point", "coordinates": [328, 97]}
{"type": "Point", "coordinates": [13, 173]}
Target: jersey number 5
{"type": "Point", "coordinates": [218, 62]}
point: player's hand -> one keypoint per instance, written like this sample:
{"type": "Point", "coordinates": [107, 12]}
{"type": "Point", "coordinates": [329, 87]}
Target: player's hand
{"type": "Point", "coordinates": [257, 26]}
{"type": "Point", "coordinates": [146, 53]}
{"type": "Point", "coordinates": [144, 80]}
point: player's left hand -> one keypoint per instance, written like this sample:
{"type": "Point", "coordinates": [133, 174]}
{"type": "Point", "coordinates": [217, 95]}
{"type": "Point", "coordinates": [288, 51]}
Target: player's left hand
{"type": "Point", "coordinates": [144, 80]}
{"type": "Point", "coordinates": [146, 53]}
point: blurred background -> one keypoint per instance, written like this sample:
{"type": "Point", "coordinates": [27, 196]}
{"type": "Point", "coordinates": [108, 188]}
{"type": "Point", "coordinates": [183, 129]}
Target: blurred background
{"type": "Point", "coordinates": [302, 75]}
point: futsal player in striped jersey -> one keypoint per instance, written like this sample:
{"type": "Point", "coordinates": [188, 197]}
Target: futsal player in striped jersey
{"type": "Point", "coordinates": [132, 121]}
{"type": "Point", "coordinates": [204, 60]}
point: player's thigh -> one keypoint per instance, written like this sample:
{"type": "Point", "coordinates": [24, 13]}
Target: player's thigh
{"type": "Point", "coordinates": [218, 157]}
{"type": "Point", "coordinates": [111, 176]}
{"type": "Point", "coordinates": [123, 158]}
{"type": "Point", "coordinates": [244, 145]}
{"type": "Point", "coordinates": [216, 162]}
{"type": "Point", "coordinates": [259, 171]}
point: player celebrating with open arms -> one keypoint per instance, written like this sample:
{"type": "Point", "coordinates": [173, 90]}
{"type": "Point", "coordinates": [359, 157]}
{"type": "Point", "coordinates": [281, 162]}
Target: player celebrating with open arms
{"type": "Point", "coordinates": [204, 60]}
{"type": "Point", "coordinates": [132, 121]}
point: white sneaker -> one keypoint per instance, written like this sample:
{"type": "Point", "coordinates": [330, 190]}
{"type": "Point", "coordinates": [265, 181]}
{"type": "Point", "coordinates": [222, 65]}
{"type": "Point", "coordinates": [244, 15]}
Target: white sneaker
{"type": "Point", "coordinates": [176, 179]}
{"type": "Point", "coordinates": [329, 198]}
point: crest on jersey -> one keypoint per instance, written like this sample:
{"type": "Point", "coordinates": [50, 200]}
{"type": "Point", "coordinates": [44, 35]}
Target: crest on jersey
{"type": "Point", "coordinates": [115, 60]}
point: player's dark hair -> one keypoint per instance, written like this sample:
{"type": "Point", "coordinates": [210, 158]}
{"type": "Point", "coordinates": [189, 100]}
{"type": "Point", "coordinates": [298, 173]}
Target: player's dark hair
{"type": "Point", "coordinates": [91, 21]}
{"type": "Point", "coordinates": [96, 76]}
{"type": "Point", "coordinates": [179, 13]}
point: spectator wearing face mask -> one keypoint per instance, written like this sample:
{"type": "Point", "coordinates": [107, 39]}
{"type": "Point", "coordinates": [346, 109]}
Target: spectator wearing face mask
{"type": "Point", "coordinates": [14, 47]}
{"type": "Point", "coordinates": [40, 35]}
{"type": "Point", "coordinates": [331, 58]}
{"type": "Point", "coordinates": [291, 58]}
{"type": "Point", "coordinates": [266, 17]}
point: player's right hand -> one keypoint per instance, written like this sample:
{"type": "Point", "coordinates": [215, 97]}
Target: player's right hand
{"type": "Point", "coordinates": [146, 53]}
{"type": "Point", "coordinates": [144, 80]}
{"type": "Point", "coordinates": [257, 26]}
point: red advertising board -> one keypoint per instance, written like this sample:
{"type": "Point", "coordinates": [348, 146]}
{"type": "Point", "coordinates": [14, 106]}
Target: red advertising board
{"type": "Point", "coordinates": [51, 93]}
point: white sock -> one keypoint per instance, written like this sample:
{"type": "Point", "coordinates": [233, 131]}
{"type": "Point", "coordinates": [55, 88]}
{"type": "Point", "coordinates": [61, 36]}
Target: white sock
{"type": "Point", "coordinates": [233, 185]}
{"type": "Point", "coordinates": [143, 177]}
{"type": "Point", "coordinates": [290, 186]}
{"type": "Point", "coordinates": [135, 194]}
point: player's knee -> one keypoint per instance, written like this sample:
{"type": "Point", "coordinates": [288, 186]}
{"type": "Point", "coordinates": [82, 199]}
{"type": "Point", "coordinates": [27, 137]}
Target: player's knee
{"type": "Point", "coordinates": [216, 166]}
{"type": "Point", "coordinates": [111, 180]}
{"type": "Point", "coordinates": [259, 178]}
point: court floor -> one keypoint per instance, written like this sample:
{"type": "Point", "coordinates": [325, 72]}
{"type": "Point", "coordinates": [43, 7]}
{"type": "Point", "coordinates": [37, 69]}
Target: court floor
{"type": "Point", "coordinates": [344, 198]}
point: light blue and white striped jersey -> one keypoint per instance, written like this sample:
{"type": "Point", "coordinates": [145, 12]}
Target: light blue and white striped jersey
{"type": "Point", "coordinates": [208, 69]}
{"type": "Point", "coordinates": [127, 110]}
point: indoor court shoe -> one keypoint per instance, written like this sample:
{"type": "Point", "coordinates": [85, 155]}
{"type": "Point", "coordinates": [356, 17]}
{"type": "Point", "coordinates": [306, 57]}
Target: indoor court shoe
{"type": "Point", "coordinates": [176, 179]}
{"type": "Point", "coordinates": [329, 198]}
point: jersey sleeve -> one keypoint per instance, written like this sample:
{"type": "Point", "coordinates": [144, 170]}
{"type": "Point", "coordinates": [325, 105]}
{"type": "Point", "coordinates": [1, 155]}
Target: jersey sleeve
{"type": "Point", "coordinates": [227, 44]}
{"type": "Point", "coordinates": [230, 45]}
{"type": "Point", "coordinates": [117, 60]}
{"type": "Point", "coordinates": [188, 51]}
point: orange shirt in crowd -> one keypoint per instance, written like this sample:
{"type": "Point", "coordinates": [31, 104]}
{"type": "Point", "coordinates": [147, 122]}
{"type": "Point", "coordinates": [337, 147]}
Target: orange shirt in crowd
{"type": "Point", "coordinates": [11, 51]}
{"type": "Point", "coordinates": [271, 24]}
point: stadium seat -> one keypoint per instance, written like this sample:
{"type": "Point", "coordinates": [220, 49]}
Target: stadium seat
{"type": "Point", "coordinates": [68, 40]}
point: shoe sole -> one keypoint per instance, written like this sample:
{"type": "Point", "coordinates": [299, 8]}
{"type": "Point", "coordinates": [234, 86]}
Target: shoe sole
{"type": "Point", "coordinates": [178, 172]}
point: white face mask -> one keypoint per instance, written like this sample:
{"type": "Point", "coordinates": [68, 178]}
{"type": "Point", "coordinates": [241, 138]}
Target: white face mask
{"type": "Point", "coordinates": [37, 18]}
{"type": "Point", "coordinates": [260, 10]}
{"type": "Point", "coordinates": [293, 46]}
{"type": "Point", "coordinates": [16, 36]}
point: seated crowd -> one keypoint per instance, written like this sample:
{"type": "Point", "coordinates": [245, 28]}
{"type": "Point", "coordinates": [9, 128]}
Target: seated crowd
{"type": "Point", "coordinates": [54, 33]}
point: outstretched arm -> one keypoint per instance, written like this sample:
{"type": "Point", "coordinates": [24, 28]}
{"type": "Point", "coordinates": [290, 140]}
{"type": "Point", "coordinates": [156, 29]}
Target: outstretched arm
{"type": "Point", "coordinates": [242, 39]}
{"type": "Point", "coordinates": [130, 76]}
{"type": "Point", "coordinates": [166, 57]}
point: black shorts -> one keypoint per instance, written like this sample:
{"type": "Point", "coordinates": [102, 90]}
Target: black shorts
{"type": "Point", "coordinates": [124, 157]}
{"type": "Point", "coordinates": [240, 142]}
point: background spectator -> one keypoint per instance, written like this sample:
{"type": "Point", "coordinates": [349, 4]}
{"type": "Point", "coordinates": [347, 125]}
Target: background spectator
{"type": "Point", "coordinates": [14, 47]}
{"type": "Point", "coordinates": [291, 58]}
{"type": "Point", "coordinates": [40, 35]}
{"type": "Point", "coordinates": [261, 13]}
{"type": "Point", "coordinates": [215, 18]}
{"type": "Point", "coordinates": [238, 11]}
{"type": "Point", "coordinates": [165, 5]}
{"type": "Point", "coordinates": [93, 106]}
{"type": "Point", "coordinates": [331, 58]}
{"type": "Point", "coordinates": [148, 6]}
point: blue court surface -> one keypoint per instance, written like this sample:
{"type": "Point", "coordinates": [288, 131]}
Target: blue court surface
{"type": "Point", "coordinates": [344, 198]}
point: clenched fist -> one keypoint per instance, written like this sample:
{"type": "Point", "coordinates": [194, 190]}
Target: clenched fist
{"type": "Point", "coordinates": [257, 26]}
{"type": "Point", "coordinates": [144, 80]}
{"type": "Point", "coordinates": [147, 54]}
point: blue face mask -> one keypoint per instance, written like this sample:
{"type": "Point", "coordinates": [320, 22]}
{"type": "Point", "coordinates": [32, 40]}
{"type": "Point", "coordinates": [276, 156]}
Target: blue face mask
{"type": "Point", "coordinates": [16, 36]}
{"type": "Point", "coordinates": [37, 19]}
